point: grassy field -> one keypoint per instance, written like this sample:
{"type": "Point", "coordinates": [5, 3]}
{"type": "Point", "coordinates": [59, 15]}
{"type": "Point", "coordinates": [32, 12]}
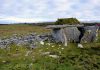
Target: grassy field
{"type": "Point", "coordinates": [49, 56]}
{"type": "Point", "coordinates": [8, 30]}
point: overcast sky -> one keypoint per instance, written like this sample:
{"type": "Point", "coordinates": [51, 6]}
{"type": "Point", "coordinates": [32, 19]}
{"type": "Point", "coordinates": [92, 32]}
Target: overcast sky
{"type": "Point", "coordinates": [50, 9]}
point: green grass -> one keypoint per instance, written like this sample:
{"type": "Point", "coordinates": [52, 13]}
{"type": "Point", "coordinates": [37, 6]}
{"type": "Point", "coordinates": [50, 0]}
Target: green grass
{"type": "Point", "coordinates": [8, 30]}
{"type": "Point", "coordinates": [70, 57]}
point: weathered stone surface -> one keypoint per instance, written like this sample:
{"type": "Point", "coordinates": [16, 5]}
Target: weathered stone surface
{"type": "Point", "coordinates": [91, 34]}
{"type": "Point", "coordinates": [28, 40]}
{"type": "Point", "coordinates": [72, 34]}
{"type": "Point", "coordinates": [58, 35]}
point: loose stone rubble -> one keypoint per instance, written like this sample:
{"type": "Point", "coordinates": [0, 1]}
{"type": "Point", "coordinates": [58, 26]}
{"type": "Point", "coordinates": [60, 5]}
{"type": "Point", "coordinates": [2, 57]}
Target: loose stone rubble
{"type": "Point", "coordinates": [30, 40]}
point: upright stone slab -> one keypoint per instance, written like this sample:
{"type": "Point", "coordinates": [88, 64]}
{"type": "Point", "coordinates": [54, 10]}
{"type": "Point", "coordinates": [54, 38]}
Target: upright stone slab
{"type": "Point", "coordinates": [57, 34]}
{"type": "Point", "coordinates": [71, 33]}
{"type": "Point", "coordinates": [91, 34]}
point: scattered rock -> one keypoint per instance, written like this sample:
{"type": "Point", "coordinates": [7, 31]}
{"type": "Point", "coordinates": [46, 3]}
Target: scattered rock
{"type": "Point", "coordinates": [29, 40]}
{"type": "Point", "coordinates": [54, 56]}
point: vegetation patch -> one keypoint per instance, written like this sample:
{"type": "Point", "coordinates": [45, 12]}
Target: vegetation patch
{"type": "Point", "coordinates": [70, 21]}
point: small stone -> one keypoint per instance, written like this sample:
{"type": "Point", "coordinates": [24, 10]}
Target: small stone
{"type": "Point", "coordinates": [59, 45]}
{"type": "Point", "coordinates": [54, 56]}
{"type": "Point", "coordinates": [80, 45]}
{"type": "Point", "coordinates": [62, 48]}
{"type": "Point", "coordinates": [41, 42]}
{"type": "Point", "coordinates": [4, 61]}
{"type": "Point", "coordinates": [53, 46]}
{"type": "Point", "coordinates": [48, 44]}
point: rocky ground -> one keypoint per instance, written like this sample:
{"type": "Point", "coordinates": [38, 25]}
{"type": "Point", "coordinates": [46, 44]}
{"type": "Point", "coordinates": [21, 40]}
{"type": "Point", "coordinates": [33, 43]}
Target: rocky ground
{"type": "Point", "coordinates": [16, 51]}
{"type": "Point", "coordinates": [31, 40]}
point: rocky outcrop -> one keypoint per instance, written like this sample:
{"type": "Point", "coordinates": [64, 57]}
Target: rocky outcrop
{"type": "Point", "coordinates": [30, 40]}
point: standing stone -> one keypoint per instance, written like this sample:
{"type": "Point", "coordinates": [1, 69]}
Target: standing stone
{"type": "Point", "coordinates": [91, 34]}
{"type": "Point", "coordinates": [57, 34]}
{"type": "Point", "coordinates": [71, 34]}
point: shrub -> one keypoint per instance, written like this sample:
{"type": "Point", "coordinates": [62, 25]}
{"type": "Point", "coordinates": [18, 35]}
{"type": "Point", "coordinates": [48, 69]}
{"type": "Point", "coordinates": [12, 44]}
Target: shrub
{"type": "Point", "coordinates": [67, 21]}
